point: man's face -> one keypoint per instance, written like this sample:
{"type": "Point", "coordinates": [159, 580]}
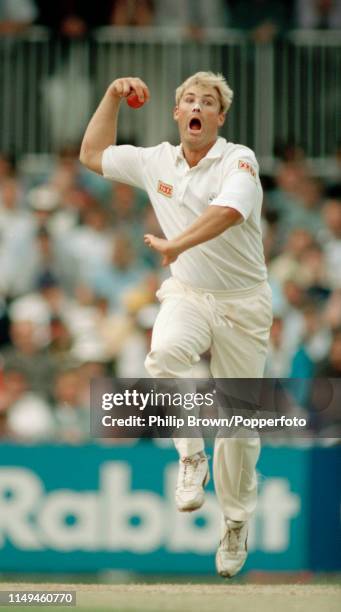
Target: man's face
{"type": "Point", "coordinates": [199, 116]}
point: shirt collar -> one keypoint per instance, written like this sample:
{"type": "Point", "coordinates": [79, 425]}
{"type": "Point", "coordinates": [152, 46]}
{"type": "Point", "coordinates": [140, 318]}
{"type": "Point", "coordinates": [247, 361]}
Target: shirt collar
{"type": "Point", "coordinates": [215, 152]}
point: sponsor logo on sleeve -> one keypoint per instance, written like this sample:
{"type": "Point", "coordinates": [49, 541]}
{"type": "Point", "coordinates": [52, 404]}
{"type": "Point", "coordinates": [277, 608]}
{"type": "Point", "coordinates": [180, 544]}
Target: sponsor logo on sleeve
{"type": "Point", "coordinates": [243, 165]}
{"type": "Point", "coordinates": [165, 189]}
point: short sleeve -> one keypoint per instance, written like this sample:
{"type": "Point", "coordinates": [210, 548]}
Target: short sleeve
{"type": "Point", "coordinates": [241, 188]}
{"type": "Point", "coordinates": [124, 163]}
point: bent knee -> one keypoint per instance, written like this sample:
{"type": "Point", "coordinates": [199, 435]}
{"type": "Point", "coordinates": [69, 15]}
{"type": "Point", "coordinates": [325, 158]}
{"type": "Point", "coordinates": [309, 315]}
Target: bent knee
{"type": "Point", "coordinates": [169, 361]}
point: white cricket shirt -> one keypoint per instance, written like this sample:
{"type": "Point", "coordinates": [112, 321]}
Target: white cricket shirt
{"type": "Point", "coordinates": [226, 176]}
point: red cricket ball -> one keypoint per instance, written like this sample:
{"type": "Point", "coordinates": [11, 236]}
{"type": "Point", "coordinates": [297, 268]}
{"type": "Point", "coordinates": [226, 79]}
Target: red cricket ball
{"type": "Point", "coordinates": [133, 101]}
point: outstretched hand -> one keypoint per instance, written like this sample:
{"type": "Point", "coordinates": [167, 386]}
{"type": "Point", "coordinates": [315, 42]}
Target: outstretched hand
{"type": "Point", "coordinates": [166, 248]}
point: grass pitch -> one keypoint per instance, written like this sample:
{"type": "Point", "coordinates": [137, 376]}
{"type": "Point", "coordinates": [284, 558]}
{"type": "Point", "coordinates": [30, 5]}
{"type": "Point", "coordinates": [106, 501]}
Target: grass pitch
{"type": "Point", "coordinates": [193, 597]}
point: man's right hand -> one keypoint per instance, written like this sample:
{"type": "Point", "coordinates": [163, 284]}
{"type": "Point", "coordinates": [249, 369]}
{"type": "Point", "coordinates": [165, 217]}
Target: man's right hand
{"type": "Point", "coordinates": [101, 131]}
{"type": "Point", "coordinates": [122, 88]}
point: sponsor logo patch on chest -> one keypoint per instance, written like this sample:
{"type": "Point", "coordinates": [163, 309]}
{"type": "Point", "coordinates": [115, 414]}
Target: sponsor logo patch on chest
{"type": "Point", "coordinates": [165, 189]}
{"type": "Point", "coordinates": [243, 165]}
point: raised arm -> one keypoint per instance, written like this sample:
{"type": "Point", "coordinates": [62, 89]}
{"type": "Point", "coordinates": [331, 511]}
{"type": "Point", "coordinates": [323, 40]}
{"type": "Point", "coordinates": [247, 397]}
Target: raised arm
{"type": "Point", "coordinates": [101, 131]}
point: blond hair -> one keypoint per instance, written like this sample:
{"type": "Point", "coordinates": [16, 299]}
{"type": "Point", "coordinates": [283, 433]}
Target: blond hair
{"type": "Point", "coordinates": [211, 79]}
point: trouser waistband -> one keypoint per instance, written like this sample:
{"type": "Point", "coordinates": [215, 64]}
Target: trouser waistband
{"type": "Point", "coordinates": [223, 294]}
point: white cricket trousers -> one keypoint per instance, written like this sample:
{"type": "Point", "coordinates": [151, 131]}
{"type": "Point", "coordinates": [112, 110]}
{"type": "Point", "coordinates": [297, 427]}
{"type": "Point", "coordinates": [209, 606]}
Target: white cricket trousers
{"type": "Point", "coordinates": [235, 327]}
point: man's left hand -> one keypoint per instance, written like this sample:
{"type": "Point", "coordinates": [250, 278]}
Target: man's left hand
{"type": "Point", "coordinates": [167, 248]}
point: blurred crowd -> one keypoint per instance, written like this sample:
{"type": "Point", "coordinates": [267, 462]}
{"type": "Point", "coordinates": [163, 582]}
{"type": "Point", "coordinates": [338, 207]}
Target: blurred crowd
{"type": "Point", "coordinates": [264, 19]}
{"type": "Point", "coordinates": [77, 292]}
{"type": "Point", "coordinates": [77, 286]}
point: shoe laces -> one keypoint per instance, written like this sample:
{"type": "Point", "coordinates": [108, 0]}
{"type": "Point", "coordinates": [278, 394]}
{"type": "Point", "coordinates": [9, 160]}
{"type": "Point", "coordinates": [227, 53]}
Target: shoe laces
{"type": "Point", "coordinates": [190, 465]}
{"type": "Point", "coordinates": [231, 538]}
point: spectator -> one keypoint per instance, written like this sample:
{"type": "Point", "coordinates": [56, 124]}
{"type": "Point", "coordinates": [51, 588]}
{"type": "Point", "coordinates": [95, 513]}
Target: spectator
{"type": "Point", "coordinates": [308, 212]}
{"type": "Point", "coordinates": [73, 19]}
{"type": "Point", "coordinates": [265, 19]}
{"type": "Point", "coordinates": [314, 343]}
{"type": "Point", "coordinates": [28, 416]}
{"type": "Point", "coordinates": [72, 418]}
{"type": "Point", "coordinates": [332, 313]}
{"type": "Point", "coordinates": [331, 239]}
{"type": "Point", "coordinates": [280, 354]}
{"type": "Point", "coordinates": [330, 366]}
{"type": "Point", "coordinates": [285, 197]}
{"type": "Point", "coordinates": [44, 201]}
{"type": "Point", "coordinates": [7, 167]}
{"type": "Point", "coordinates": [296, 200]}
{"type": "Point", "coordinates": [191, 16]}
{"type": "Point", "coordinates": [313, 273]}
{"type": "Point", "coordinates": [49, 298]}
{"type": "Point", "coordinates": [90, 369]}
{"type": "Point", "coordinates": [90, 244]}
{"type": "Point", "coordinates": [60, 341]}
{"type": "Point", "coordinates": [82, 318]}
{"type": "Point", "coordinates": [68, 177]}
{"type": "Point", "coordinates": [327, 421]}
{"type": "Point", "coordinates": [28, 354]}
{"type": "Point", "coordinates": [287, 264]}
{"type": "Point", "coordinates": [13, 223]}
{"type": "Point", "coordinates": [132, 13]}
{"type": "Point", "coordinates": [28, 248]}
{"type": "Point", "coordinates": [16, 15]}
{"type": "Point", "coordinates": [25, 262]}
{"type": "Point", "coordinates": [123, 273]}
{"type": "Point", "coordinates": [131, 357]}
{"type": "Point", "coordinates": [318, 14]}
{"type": "Point", "coordinates": [126, 213]}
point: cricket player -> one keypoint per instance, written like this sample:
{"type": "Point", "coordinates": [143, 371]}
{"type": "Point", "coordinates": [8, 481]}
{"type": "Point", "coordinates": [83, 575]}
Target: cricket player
{"type": "Point", "coordinates": [207, 196]}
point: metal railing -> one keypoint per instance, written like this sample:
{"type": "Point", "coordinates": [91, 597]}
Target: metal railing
{"type": "Point", "coordinates": [289, 90]}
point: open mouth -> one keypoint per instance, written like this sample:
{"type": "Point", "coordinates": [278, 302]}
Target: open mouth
{"type": "Point", "coordinates": [195, 124]}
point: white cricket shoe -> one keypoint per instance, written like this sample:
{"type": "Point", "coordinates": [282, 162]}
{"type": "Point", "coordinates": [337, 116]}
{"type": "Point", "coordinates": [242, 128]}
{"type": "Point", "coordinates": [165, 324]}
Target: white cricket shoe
{"type": "Point", "coordinates": [232, 552]}
{"type": "Point", "coordinates": [193, 476]}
